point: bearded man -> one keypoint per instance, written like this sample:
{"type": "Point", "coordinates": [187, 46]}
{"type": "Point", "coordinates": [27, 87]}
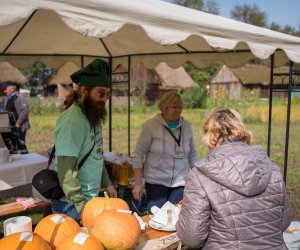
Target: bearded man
{"type": "Point", "coordinates": [78, 136]}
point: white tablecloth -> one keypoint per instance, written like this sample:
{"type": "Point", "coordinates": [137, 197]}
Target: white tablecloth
{"type": "Point", "coordinates": [20, 172]}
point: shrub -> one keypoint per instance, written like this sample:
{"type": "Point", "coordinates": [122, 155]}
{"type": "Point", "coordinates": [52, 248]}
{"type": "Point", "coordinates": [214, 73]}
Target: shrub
{"type": "Point", "coordinates": [194, 98]}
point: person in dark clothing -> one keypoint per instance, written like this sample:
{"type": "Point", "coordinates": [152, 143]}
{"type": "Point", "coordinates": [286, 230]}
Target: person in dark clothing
{"type": "Point", "coordinates": [17, 105]}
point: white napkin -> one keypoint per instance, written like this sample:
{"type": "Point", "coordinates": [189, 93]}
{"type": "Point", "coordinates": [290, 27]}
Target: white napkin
{"type": "Point", "coordinates": [117, 158]}
{"type": "Point", "coordinates": [142, 223]}
{"type": "Point", "coordinates": [161, 215]}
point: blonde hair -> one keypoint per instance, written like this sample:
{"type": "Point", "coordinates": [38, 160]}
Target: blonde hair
{"type": "Point", "coordinates": [222, 125]}
{"type": "Point", "coordinates": [169, 99]}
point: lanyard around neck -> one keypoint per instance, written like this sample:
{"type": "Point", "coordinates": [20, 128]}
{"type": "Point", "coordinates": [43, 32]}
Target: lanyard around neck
{"type": "Point", "coordinates": [174, 137]}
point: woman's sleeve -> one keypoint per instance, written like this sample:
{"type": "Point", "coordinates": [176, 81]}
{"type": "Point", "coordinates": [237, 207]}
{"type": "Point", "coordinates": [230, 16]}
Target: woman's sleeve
{"type": "Point", "coordinates": [142, 147]}
{"type": "Point", "coordinates": [193, 156]}
{"type": "Point", "coordinates": [193, 222]}
{"type": "Point", "coordinates": [287, 211]}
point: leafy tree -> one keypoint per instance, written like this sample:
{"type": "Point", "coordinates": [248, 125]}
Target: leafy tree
{"type": "Point", "coordinates": [249, 14]}
{"type": "Point", "coordinates": [212, 7]}
{"type": "Point", "coordinates": [193, 4]}
{"type": "Point", "coordinates": [275, 26]}
{"type": "Point", "coordinates": [288, 30]}
{"type": "Point", "coordinates": [38, 74]}
{"type": "Point", "coordinates": [196, 98]}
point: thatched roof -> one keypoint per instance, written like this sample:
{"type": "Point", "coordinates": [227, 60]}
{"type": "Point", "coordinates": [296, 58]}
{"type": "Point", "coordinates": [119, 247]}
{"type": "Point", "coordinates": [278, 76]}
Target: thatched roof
{"type": "Point", "coordinates": [162, 74]}
{"type": "Point", "coordinates": [138, 74]}
{"type": "Point", "coordinates": [248, 74]}
{"type": "Point", "coordinates": [11, 73]}
{"type": "Point", "coordinates": [63, 74]}
{"type": "Point", "coordinates": [259, 74]}
{"type": "Point", "coordinates": [174, 78]}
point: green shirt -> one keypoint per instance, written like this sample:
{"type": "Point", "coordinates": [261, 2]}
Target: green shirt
{"type": "Point", "coordinates": [73, 140]}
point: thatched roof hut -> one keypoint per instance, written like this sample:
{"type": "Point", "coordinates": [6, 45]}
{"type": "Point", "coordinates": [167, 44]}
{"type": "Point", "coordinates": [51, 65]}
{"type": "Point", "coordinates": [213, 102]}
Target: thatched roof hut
{"type": "Point", "coordinates": [11, 73]}
{"type": "Point", "coordinates": [174, 78]}
{"type": "Point", "coordinates": [259, 74]}
{"type": "Point", "coordinates": [228, 83]}
{"type": "Point", "coordinates": [62, 79]}
{"type": "Point", "coordinates": [62, 75]}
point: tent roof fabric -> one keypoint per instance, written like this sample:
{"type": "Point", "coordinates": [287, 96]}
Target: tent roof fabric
{"type": "Point", "coordinates": [11, 73]}
{"type": "Point", "coordinates": [149, 31]}
{"type": "Point", "coordinates": [174, 78]}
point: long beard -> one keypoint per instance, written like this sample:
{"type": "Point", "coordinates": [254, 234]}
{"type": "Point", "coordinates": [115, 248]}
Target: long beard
{"type": "Point", "coordinates": [95, 111]}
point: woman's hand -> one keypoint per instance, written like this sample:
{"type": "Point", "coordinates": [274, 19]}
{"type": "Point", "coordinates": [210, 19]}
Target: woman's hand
{"type": "Point", "coordinates": [137, 192]}
{"type": "Point", "coordinates": [112, 193]}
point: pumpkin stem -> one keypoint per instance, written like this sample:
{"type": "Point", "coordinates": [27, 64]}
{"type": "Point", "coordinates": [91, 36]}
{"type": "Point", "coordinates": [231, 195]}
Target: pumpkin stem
{"type": "Point", "coordinates": [106, 194]}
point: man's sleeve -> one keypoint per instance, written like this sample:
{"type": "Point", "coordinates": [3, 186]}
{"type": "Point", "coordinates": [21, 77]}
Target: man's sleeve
{"type": "Point", "coordinates": [23, 110]}
{"type": "Point", "coordinates": [67, 174]}
{"type": "Point", "coordinates": [105, 181]}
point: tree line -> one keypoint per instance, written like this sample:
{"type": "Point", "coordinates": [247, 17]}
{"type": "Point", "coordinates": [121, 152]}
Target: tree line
{"type": "Point", "coordinates": [247, 13]}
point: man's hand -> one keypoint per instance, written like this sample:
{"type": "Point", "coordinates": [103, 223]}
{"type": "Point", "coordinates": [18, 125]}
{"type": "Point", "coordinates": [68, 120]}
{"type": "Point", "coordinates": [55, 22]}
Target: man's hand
{"type": "Point", "coordinates": [112, 193]}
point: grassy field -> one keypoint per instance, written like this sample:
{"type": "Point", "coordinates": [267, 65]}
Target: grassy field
{"type": "Point", "coordinates": [40, 136]}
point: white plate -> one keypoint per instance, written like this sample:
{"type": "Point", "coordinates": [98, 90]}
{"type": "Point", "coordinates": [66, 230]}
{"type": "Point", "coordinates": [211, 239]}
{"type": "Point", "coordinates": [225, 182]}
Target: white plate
{"type": "Point", "coordinates": [157, 226]}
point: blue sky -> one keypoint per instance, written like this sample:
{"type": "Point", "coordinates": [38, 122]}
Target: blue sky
{"type": "Point", "coordinates": [283, 12]}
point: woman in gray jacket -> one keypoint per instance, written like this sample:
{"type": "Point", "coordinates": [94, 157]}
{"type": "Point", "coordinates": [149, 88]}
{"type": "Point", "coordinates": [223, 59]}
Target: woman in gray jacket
{"type": "Point", "coordinates": [164, 152]}
{"type": "Point", "coordinates": [235, 198]}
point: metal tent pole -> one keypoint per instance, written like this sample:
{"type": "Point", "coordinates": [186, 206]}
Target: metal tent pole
{"type": "Point", "coordinates": [129, 118]}
{"type": "Point", "coordinates": [270, 104]}
{"type": "Point", "coordinates": [288, 120]}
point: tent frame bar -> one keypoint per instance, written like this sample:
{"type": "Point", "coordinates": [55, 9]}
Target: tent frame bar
{"type": "Point", "coordinates": [293, 86]}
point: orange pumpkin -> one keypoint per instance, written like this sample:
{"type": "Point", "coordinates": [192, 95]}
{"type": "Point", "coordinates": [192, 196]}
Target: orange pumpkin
{"type": "Point", "coordinates": [96, 206]}
{"type": "Point", "coordinates": [117, 230]}
{"type": "Point", "coordinates": [24, 241]}
{"type": "Point", "coordinates": [55, 227]}
{"type": "Point", "coordinates": [80, 241]}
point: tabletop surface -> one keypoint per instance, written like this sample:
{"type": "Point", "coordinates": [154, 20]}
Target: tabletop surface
{"type": "Point", "coordinates": [154, 239]}
{"type": "Point", "coordinates": [20, 172]}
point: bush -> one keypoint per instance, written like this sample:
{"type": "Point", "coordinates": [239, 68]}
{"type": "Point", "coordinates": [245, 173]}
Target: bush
{"type": "Point", "coordinates": [194, 98]}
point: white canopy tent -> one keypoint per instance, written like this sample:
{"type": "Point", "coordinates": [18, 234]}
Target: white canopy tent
{"type": "Point", "coordinates": [131, 31]}
{"type": "Point", "coordinates": [150, 31]}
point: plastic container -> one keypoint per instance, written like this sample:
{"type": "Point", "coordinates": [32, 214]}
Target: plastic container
{"type": "Point", "coordinates": [122, 173]}
{"type": "Point", "coordinates": [4, 155]}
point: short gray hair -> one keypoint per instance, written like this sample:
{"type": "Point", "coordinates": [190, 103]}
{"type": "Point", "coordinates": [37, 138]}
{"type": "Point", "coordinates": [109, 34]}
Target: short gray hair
{"type": "Point", "coordinates": [169, 99]}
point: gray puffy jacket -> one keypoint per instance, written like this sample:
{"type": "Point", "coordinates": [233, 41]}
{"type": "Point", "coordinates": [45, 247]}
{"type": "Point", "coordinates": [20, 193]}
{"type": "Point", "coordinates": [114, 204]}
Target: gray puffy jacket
{"type": "Point", "coordinates": [235, 198]}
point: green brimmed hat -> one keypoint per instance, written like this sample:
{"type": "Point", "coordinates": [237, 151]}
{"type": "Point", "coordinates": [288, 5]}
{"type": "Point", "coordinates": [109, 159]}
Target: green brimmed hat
{"type": "Point", "coordinates": [94, 74]}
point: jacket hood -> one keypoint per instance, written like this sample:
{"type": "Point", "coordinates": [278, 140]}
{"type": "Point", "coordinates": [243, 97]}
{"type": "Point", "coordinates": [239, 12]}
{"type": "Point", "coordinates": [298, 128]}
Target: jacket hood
{"type": "Point", "coordinates": [237, 166]}
{"type": "Point", "coordinates": [161, 120]}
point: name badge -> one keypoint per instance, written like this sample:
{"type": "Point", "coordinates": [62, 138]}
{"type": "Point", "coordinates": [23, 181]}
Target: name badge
{"type": "Point", "coordinates": [179, 153]}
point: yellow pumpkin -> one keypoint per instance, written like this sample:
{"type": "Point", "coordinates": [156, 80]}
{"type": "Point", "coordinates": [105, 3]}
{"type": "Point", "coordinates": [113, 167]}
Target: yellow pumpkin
{"type": "Point", "coordinates": [80, 241]}
{"type": "Point", "coordinates": [117, 230]}
{"type": "Point", "coordinates": [24, 241]}
{"type": "Point", "coordinates": [56, 227]}
{"type": "Point", "coordinates": [96, 206]}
